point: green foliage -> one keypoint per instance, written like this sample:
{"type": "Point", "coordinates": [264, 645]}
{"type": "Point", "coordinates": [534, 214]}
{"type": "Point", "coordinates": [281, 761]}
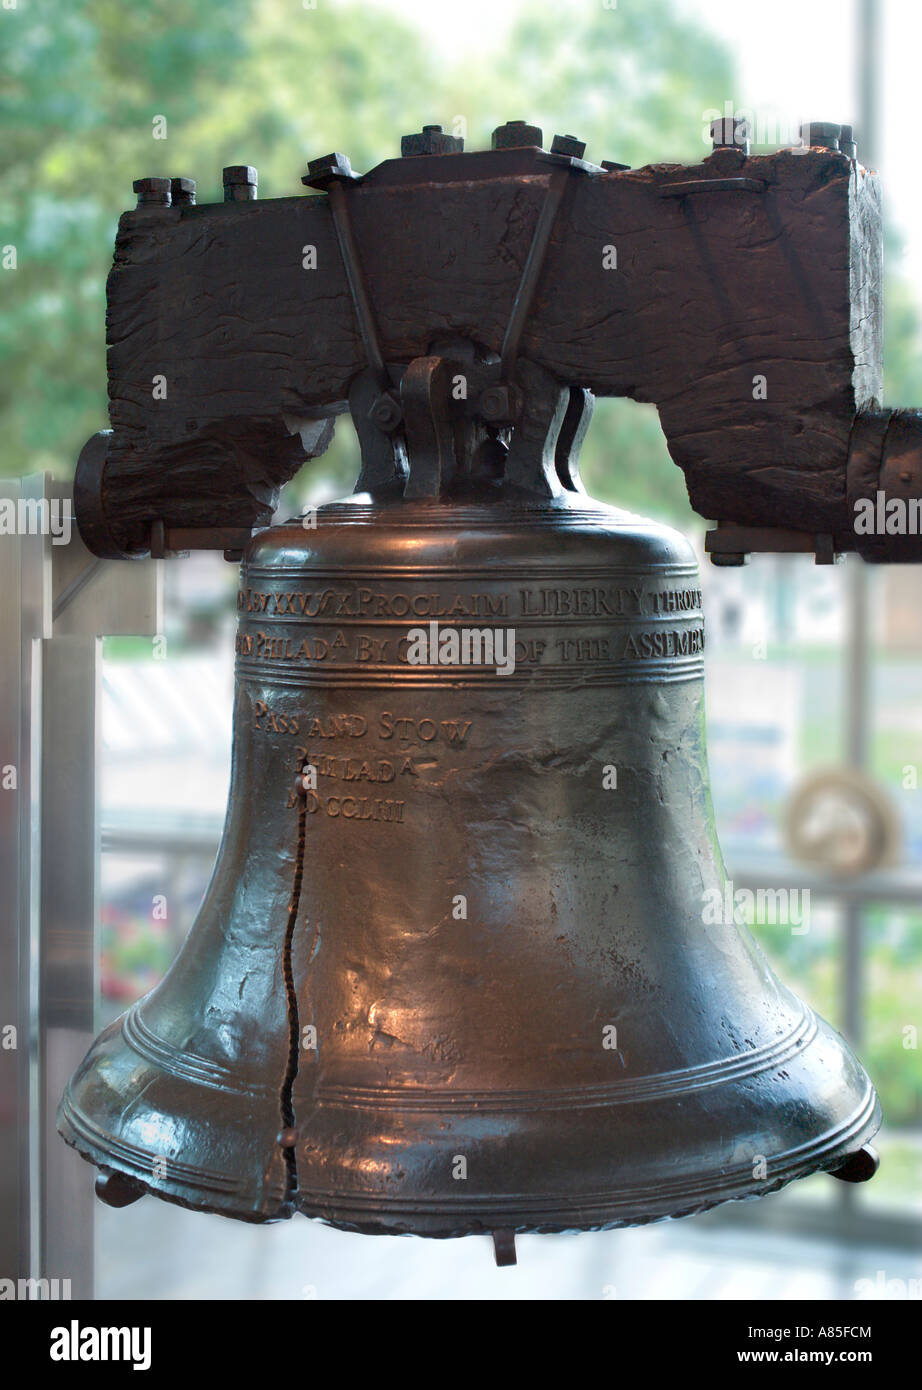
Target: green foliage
{"type": "Point", "coordinates": [264, 82]}
{"type": "Point", "coordinates": [633, 82]}
{"type": "Point", "coordinates": [902, 335]}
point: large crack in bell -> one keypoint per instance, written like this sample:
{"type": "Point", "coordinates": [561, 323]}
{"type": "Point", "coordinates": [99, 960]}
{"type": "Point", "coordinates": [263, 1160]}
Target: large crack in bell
{"type": "Point", "coordinates": [294, 1024]}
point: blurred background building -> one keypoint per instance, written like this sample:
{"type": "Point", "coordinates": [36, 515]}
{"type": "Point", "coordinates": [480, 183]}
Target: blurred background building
{"type": "Point", "coordinates": [809, 668]}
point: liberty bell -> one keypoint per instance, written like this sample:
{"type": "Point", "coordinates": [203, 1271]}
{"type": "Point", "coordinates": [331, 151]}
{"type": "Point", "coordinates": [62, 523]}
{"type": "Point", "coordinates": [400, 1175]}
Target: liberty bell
{"type": "Point", "coordinates": [468, 961]}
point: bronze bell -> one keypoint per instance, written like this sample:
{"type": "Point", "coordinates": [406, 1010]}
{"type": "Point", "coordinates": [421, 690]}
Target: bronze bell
{"type": "Point", "coordinates": [453, 973]}
{"type": "Point", "coordinates": [458, 969]}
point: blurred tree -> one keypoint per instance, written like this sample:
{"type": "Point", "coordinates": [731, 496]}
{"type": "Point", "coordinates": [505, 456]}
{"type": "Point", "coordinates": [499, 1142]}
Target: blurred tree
{"type": "Point", "coordinates": [83, 89]}
{"type": "Point", "coordinates": [902, 335]}
{"type": "Point", "coordinates": [81, 85]}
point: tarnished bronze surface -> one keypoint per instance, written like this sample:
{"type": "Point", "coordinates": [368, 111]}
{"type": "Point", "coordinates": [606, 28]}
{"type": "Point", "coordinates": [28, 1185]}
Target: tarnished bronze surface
{"type": "Point", "coordinates": [395, 1009]}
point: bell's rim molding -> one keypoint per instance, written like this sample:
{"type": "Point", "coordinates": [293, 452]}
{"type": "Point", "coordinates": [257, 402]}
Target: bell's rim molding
{"type": "Point", "coordinates": [541, 1213]}
{"type": "Point", "coordinates": [141, 1038]}
{"type": "Point", "coordinates": [529, 620]}
{"type": "Point", "coordinates": [547, 1213]}
{"type": "Point", "coordinates": [658, 1085]}
{"type": "Point", "coordinates": [789, 1164]}
{"type": "Point", "coordinates": [190, 1066]}
{"type": "Point", "coordinates": [305, 568]}
{"type": "Point", "coordinates": [133, 1159]}
{"type": "Point", "coordinates": [570, 677]}
{"type": "Point", "coordinates": [517, 511]}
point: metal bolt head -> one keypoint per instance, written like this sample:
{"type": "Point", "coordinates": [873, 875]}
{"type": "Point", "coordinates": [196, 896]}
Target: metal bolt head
{"type": "Point", "coordinates": [516, 135]}
{"type": "Point", "coordinates": [328, 167]}
{"type": "Point", "coordinates": [240, 181]}
{"type": "Point", "coordinates": [241, 173]}
{"type": "Point", "coordinates": [386, 412]}
{"type": "Point", "coordinates": [824, 134]}
{"type": "Point", "coordinates": [730, 132]}
{"type": "Point", "coordinates": [499, 403]}
{"type": "Point", "coordinates": [432, 140]}
{"type": "Point", "coordinates": [727, 559]}
{"type": "Point", "coordinates": [568, 145]}
{"type": "Point", "coordinates": [847, 142]}
{"type": "Point", "coordinates": [182, 191]}
{"type": "Point", "coordinates": [152, 192]}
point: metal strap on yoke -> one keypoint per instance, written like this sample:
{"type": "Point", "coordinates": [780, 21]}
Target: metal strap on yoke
{"type": "Point", "coordinates": [342, 223]}
{"type": "Point", "coordinates": [531, 273]}
{"type": "Point", "coordinates": [521, 304]}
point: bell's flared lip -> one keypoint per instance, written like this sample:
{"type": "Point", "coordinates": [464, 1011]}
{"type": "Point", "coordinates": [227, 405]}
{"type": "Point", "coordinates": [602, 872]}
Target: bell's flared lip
{"type": "Point", "coordinates": [374, 1213]}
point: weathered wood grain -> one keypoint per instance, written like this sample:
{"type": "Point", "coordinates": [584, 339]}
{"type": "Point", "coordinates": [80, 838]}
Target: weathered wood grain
{"type": "Point", "coordinates": [711, 291]}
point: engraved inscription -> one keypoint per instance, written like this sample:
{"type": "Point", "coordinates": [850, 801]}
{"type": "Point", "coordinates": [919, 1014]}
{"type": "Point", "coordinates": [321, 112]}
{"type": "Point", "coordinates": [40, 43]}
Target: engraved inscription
{"type": "Point", "coordinates": [598, 602]}
{"type": "Point", "coordinates": [580, 603]}
{"type": "Point", "coordinates": [612, 625]}
{"type": "Point", "coordinates": [453, 731]}
{"type": "Point", "coordinates": [687, 642]}
{"type": "Point", "coordinates": [334, 766]}
{"type": "Point", "coordinates": [367, 650]}
{"type": "Point", "coordinates": [403, 728]}
{"type": "Point", "coordinates": [349, 808]}
{"type": "Point", "coordinates": [367, 603]}
{"type": "Point", "coordinates": [675, 601]}
{"type": "Point", "coordinates": [356, 807]}
{"type": "Point", "coordinates": [357, 769]}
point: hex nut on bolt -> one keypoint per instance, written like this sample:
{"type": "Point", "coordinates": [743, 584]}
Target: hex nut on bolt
{"type": "Point", "coordinates": [240, 182]}
{"type": "Point", "coordinates": [432, 140]}
{"type": "Point", "coordinates": [153, 192]}
{"type": "Point", "coordinates": [517, 135]}
{"type": "Point", "coordinates": [823, 134]}
{"type": "Point", "coordinates": [386, 412]}
{"type": "Point", "coordinates": [499, 403]}
{"type": "Point", "coordinates": [328, 167]}
{"type": "Point", "coordinates": [728, 559]}
{"type": "Point", "coordinates": [730, 132]}
{"type": "Point", "coordinates": [183, 192]}
{"type": "Point", "coordinates": [568, 145]}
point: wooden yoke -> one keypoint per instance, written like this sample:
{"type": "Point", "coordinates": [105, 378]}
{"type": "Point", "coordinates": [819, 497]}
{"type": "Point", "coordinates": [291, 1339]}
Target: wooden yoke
{"type": "Point", "coordinates": [741, 296]}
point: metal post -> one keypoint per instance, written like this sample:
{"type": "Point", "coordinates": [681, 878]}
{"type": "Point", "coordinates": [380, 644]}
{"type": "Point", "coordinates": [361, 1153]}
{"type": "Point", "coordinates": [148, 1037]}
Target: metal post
{"type": "Point", "coordinates": [16, 753]}
{"type": "Point", "coordinates": [857, 752]}
{"type": "Point", "coordinates": [69, 942]}
{"type": "Point", "coordinates": [58, 599]}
